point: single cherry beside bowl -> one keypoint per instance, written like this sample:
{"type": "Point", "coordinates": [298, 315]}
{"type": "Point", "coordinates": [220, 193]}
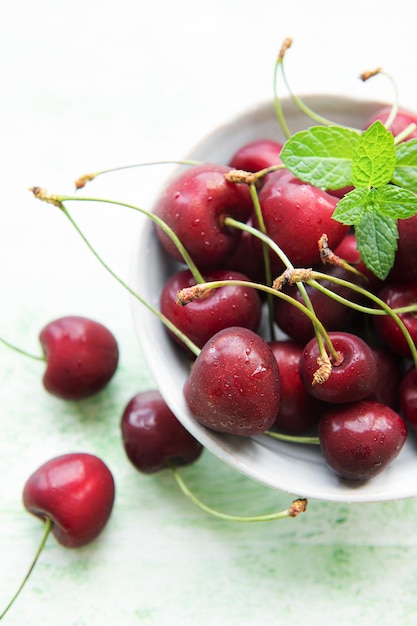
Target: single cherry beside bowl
{"type": "Point", "coordinates": [152, 436]}
{"type": "Point", "coordinates": [76, 491]}
{"type": "Point", "coordinates": [81, 355]}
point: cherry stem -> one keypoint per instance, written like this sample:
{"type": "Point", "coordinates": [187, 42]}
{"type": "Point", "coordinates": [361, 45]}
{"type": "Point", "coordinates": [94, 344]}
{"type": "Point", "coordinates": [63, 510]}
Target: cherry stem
{"type": "Point", "coordinates": [190, 344]}
{"type": "Point", "coordinates": [287, 263]}
{"type": "Point", "coordinates": [266, 258]}
{"type": "Point", "coordinates": [405, 133]}
{"type": "Point", "coordinates": [298, 506]}
{"type": "Point", "coordinates": [368, 294]}
{"type": "Point", "coordinates": [188, 294]}
{"type": "Point", "coordinates": [292, 438]}
{"type": "Point", "coordinates": [57, 200]}
{"type": "Point", "coordinates": [411, 308]}
{"type": "Point", "coordinates": [394, 109]}
{"type": "Point", "coordinates": [36, 357]}
{"type": "Point", "coordinates": [47, 529]}
{"type": "Point", "coordinates": [277, 103]}
{"type": "Point", "coordinates": [86, 178]}
{"type": "Point", "coordinates": [296, 99]}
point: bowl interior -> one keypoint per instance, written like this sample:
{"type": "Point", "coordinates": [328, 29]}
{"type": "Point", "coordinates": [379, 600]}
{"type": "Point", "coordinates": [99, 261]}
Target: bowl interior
{"type": "Point", "coordinates": [297, 469]}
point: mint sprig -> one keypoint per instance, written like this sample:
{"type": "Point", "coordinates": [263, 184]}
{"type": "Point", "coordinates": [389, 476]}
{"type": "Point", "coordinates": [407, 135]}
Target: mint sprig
{"type": "Point", "coordinates": [321, 155]}
{"type": "Point", "coordinates": [383, 177]}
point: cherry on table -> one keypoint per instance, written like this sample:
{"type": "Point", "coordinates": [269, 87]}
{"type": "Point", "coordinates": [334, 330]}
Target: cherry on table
{"type": "Point", "coordinates": [358, 440]}
{"type": "Point", "coordinates": [76, 491]}
{"type": "Point", "coordinates": [152, 436]}
{"type": "Point", "coordinates": [234, 384]}
{"type": "Point", "coordinates": [73, 494]}
{"type": "Point", "coordinates": [81, 355]}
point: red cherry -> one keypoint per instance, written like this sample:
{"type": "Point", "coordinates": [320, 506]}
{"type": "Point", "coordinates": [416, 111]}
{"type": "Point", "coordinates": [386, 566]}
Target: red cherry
{"type": "Point", "coordinates": [333, 315]}
{"type": "Point", "coordinates": [296, 215]}
{"type": "Point", "coordinates": [256, 155]}
{"type": "Point", "coordinates": [152, 436]}
{"type": "Point", "coordinates": [199, 320]}
{"type": "Point", "coordinates": [348, 251]}
{"type": "Point", "coordinates": [402, 119]}
{"type": "Point", "coordinates": [351, 380]}
{"type": "Point", "coordinates": [81, 354]}
{"type": "Point", "coordinates": [234, 384]}
{"type": "Point", "coordinates": [405, 263]}
{"type": "Point", "coordinates": [397, 295]}
{"type": "Point", "coordinates": [408, 397]}
{"type": "Point", "coordinates": [358, 440]}
{"type": "Point", "coordinates": [298, 410]}
{"type": "Point", "coordinates": [195, 205]}
{"type": "Point", "coordinates": [389, 377]}
{"type": "Point", "coordinates": [76, 491]}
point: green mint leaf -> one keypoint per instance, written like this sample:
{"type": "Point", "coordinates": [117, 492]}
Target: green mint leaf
{"type": "Point", "coordinates": [405, 172]}
{"type": "Point", "coordinates": [394, 202]}
{"type": "Point", "coordinates": [321, 155]}
{"type": "Point", "coordinates": [376, 239]}
{"type": "Point", "coordinates": [374, 157]}
{"type": "Point", "coordinates": [352, 208]}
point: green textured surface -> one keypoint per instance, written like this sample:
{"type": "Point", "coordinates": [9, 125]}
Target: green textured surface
{"type": "Point", "coordinates": [85, 87]}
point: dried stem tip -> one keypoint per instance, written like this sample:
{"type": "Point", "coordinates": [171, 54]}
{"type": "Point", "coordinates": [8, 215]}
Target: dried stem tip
{"type": "Point", "coordinates": [286, 44]}
{"type": "Point", "coordinates": [189, 294]}
{"type": "Point", "coordinates": [370, 73]}
{"type": "Point", "coordinates": [324, 370]}
{"type": "Point", "coordinates": [291, 276]}
{"type": "Point", "coordinates": [241, 176]}
{"type": "Point", "coordinates": [297, 507]}
{"type": "Point", "coordinates": [41, 194]}
{"type": "Point", "coordinates": [83, 180]}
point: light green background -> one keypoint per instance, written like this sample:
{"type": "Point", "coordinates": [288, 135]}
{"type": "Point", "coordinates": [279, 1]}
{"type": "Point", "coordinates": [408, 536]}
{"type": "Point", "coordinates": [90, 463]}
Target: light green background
{"type": "Point", "coordinates": [86, 86]}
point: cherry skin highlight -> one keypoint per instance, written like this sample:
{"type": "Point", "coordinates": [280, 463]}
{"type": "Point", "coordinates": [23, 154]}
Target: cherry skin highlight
{"type": "Point", "coordinates": [81, 355]}
{"type": "Point", "coordinates": [351, 380]}
{"type": "Point", "coordinates": [195, 205]}
{"type": "Point", "coordinates": [76, 491]}
{"type": "Point", "coordinates": [234, 384]}
{"type": "Point", "coordinates": [358, 440]}
{"type": "Point", "coordinates": [152, 436]}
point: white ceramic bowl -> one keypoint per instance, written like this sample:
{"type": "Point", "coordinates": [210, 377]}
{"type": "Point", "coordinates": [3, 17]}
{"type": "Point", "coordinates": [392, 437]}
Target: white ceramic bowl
{"type": "Point", "coordinates": [297, 469]}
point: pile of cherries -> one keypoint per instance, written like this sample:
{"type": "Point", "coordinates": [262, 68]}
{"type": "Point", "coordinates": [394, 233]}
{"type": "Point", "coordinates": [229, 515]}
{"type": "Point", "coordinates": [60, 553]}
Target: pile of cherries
{"type": "Point", "coordinates": [345, 371]}
{"type": "Point", "coordinates": [339, 372]}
